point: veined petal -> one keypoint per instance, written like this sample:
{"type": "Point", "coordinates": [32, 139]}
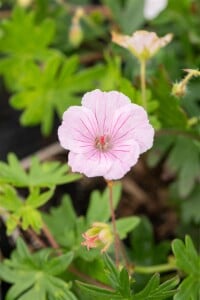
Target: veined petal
{"type": "Point", "coordinates": [103, 105]}
{"type": "Point", "coordinates": [123, 159]}
{"type": "Point", "coordinates": [131, 123]}
{"type": "Point", "coordinates": [91, 164]}
{"type": "Point", "coordinates": [78, 130]}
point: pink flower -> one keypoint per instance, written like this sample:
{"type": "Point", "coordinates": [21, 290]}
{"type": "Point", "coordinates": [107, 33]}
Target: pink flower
{"type": "Point", "coordinates": [106, 135]}
{"type": "Point", "coordinates": [142, 44]}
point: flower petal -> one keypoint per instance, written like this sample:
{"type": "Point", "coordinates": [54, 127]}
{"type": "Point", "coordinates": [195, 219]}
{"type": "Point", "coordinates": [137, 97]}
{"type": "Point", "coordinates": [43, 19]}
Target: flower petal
{"type": "Point", "coordinates": [123, 158]}
{"type": "Point", "coordinates": [152, 8]}
{"type": "Point", "coordinates": [103, 105]}
{"type": "Point", "coordinates": [78, 130]}
{"type": "Point", "coordinates": [131, 123]}
{"type": "Point", "coordinates": [91, 164]}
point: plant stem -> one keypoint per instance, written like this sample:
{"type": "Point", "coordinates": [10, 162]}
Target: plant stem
{"type": "Point", "coordinates": [154, 269]}
{"type": "Point", "coordinates": [143, 82]}
{"type": "Point", "coordinates": [116, 238]}
{"type": "Point", "coordinates": [51, 239]}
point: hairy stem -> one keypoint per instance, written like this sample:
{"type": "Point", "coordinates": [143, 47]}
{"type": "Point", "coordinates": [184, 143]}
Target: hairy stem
{"type": "Point", "coordinates": [116, 238]}
{"type": "Point", "coordinates": [143, 82]}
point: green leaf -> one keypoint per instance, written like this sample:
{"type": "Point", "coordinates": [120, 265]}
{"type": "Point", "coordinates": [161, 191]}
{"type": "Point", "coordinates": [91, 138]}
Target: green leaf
{"type": "Point", "coordinates": [112, 272]}
{"type": "Point", "coordinates": [126, 225]}
{"type": "Point", "coordinates": [96, 292]}
{"type": "Point", "coordinates": [46, 174]}
{"type": "Point", "coordinates": [36, 199]}
{"type": "Point", "coordinates": [99, 209]}
{"type": "Point", "coordinates": [188, 260]}
{"type": "Point", "coordinates": [169, 111]}
{"type": "Point", "coordinates": [186, 256]}
{"type": "Point", "coordinates": [9, 199]}
{"type": "Point", "coordinates": [189, 289]}
{"type": "Point", "coordinates": [59, 264]}
{"type": "Point", "coordinates": [156, 291]}
{"type": "Point", "coordinates": [190, 207]}
{"type": "Point", "coordinates": [129, 16]}
{"type": "Point", "coordinates": [52, 89]}
{"type": "Point", "coordinates": [64, 235]}
{"type": "Point", "coordinates": [188, 151]}
{"type": "Point", "coordinates": [22, 42]}
{"type": "Point", "coordinates": [124, 287]}
{"type": "Point", "coordinates": [119, 281]}
{"type": "Point", "coordinates": [34, 275]}
{"type": "Point", "coordinates": [144, 250]}
{"type": "Point", "coordinates": [23, 212]}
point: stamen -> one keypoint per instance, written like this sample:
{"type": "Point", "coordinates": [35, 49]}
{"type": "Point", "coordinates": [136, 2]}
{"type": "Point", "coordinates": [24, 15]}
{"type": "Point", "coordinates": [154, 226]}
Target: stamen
{"type": "Point", "coordinates": [102, 143]}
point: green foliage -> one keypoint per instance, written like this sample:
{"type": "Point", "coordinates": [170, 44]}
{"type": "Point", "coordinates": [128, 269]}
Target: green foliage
{"type": "Point", "coordinates": [35, 276]}
{"type": "Point", "coordinates": [188, 261]}
{"type": "Point", "coordinates": [23, 212]}
{"type": "Point", "coordinates": [121, 285]}
{"type": "Point", "coordinates": [144, 250]}
{"type": "Point", "coordinates": [23, 41]}
{"type": "Point", "coordinates": [47, 174]}
{"type": "Point", "coordinates": [128, 14]}
{"type": "Point", "coordinates": [70, 235]}
{"type": "Point", "coordinates": [154, 290]}
{"type": "Point", "coordinates": [191, 206]}
{"type": "Point", "coordinates": [51, 88]}
{"type": "Point", "coordinates": [125, 225]}
{"type": "Point", "coordinates": [102, 214]}
{"type": "Point", "coordinates": [119, 282]}
{"type": "Point", "coordinates": [185, 159]}
{"type": "Point", "coordinates": [170, 113]}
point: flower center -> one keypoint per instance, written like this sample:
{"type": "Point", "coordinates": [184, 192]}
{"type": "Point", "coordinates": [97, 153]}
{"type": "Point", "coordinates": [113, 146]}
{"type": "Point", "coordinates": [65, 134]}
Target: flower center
{"type": "Point", "coordinates": [102, 142]}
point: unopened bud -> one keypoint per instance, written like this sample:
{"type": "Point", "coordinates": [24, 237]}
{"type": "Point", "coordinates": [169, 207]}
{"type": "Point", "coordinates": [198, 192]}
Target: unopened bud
{"type": "Point", "coordinates": [98, 236]}
{"type": "Point", "coordinates": [75, 34]}
{"type": "Point", "coordinates": [178, 89]}
{"type": "Point", "coordinates": [75, 31]}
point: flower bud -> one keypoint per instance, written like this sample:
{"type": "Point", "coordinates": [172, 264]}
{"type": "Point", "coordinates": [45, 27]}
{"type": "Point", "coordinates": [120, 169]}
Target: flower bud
{"type": "Point", "coordinates": [75, 34]}
{"type": "Point", "coordinates": [98, 236]}
{"type": "Point", "coordinates": [178, 89]}
{"type": "Point", "coordinates": [75, 31]}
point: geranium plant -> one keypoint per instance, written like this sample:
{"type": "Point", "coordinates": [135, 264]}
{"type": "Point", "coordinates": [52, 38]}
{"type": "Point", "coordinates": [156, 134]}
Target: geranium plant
{"type": "Point", "coordinates": [101, 200]}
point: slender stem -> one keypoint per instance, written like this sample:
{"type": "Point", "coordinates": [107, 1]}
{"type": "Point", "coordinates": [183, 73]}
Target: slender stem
{"type": "Point", "coordinates": [51, 239]}
{"type": "Point", "coordinates": [154, 269]}
{"type": "Point", "coordinates": [143, 82]}
{"type": "Point", "coordinates": [116, 238]}
{"type": "Point", "coordinates": [186, 79]}
{"type": "Point", "coordinates": [124, 255]}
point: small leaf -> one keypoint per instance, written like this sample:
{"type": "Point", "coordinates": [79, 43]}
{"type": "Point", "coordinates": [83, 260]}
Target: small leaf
{"type": "Point", "coordinates": [99, 209]}
{"type": "Point", "coordinates": [95, 291]}
{"type": "Point", "coordinates": [186, 256]}
{"type": "Point", "coordinates": [126, 225]}
{"type": "Point", "coordinates": [154, 291]}
{"type": "Point", "coordinates": [59, 264]}
{"type": "Point", "coordinates": [36, 199]}
{"type": "Point", "coordinates": [46, 174]}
